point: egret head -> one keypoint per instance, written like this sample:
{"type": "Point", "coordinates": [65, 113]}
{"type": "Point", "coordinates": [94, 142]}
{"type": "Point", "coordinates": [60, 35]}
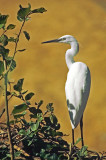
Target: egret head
{"type": "Point", "coordinates": [64, 39]}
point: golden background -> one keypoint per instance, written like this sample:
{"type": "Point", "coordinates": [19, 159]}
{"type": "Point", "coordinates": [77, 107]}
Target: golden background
{"type": "Point", "coordinates": [44, 67]}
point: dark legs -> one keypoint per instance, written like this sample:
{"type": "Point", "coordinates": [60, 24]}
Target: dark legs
{"type": "Point", "coordinates": [73, 136]}
{"type": "Point", "coordinates": [81, 128]}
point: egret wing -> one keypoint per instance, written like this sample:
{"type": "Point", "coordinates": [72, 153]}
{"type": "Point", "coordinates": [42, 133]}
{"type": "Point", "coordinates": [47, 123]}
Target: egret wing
{"type": "Point", "coordinates": [77, 91]}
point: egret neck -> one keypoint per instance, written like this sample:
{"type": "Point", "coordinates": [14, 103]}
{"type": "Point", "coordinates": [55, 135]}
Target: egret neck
{"type": "Point", "coordinates": [70, 53]}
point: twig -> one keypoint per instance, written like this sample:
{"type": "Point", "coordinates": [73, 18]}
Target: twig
{"type": "Point", "coordinates": [2, 123]}
{"type": "Point", "coordinates": [7, 113]}
{"type": "Point", "coordinates": [16, 44]}
{"type": "Point", "coordinates": [2, 112]}
{"type": "Point", "coordinates": [3, 133]}
{"type": "Point", "coordinates": [23, 138]}
{"type": "Point", "coordinates": [1, 77]}
{"type": "Point", "coordinates": [89, 151]}
{"type": "Point", "coordinates": [3, 32]}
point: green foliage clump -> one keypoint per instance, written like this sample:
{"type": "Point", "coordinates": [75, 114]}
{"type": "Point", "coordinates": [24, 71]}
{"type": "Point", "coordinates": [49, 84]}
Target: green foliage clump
{"type": "Point", "coordinates": [40, 136]}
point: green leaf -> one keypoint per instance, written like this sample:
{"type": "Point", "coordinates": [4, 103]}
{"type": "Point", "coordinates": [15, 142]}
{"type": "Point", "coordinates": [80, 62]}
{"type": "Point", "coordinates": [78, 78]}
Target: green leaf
{"type": "Point", "coordinates": [37, 113]}
{"type": "Point", "coordinates": [54, 157]}
{"type": "Point", "coordinates": [34, 126]}
{"type": "Point", "coordinates": [57, 126]}
{"type": "Point", "coordinates": [19, 115]}
{"type": "Point", "coordinates": [40, 103]}
{"type": "Point", "coordinates": [4, 40]}
{"type": "Point", "coordinates": [3, 20]}
{"type": "Point", "coordinates": [33, 110]}
{"type": "Point", "coordinates": [19, 108]}
{"type": "Point", "coordinates": [28, 103]}
{"type": "Point", "coordinates": [28, 131]}
{"type": "Point", "coordinates": [12, 122]}
{"type": "Point", "coordinates": [13, 94]}
{"type": "Point", "coordinates": [30, 142]}
{"type": "Point", "coordinates": [40, 119]}
{"type": "Point", "coordinates": [9, 58]}
{"type": "Point", "coordinates": [17, 154]}
{"type": "Point", "coordinates": [24, 121]}
{"type": "Point", "coordinates": [33, 116]}
{"type": "Point", "coordinates": [85, 153]}
{"type": "Point", "coordinates": [1, 68]}
{"type": "Point", "coordinates": [49, 107]}
{"type": "Point", "coordinates": [13, 65]}
{"type": "Point", "coordinates": [82, 152]}
{"type": "Point", "coordinates": [23, 12]}
{"type": "Point", "coordinates": [10, 26]}
{"type": "Point", "coordinates": [25, 92]}
{"type": "Point", "coordinates": [59, 134]}
{"type": "Point", "coordinates": [83, 149]}
{"type": "Point", "coordinates": [47, 120]}
{"type": "Point", "coordinates": [53, 119]}
{"type": "Point", "coordinates": [8, 93]}
{"type": "Point", "coordinates": [21, 50]}
{"type": "Point", "coordinates": [12, 62]}
{"type": "Point", "coordinates": [18, 86]}
{"type": "Point", "coordinates": [29, 96]}
{"type": "Point", "coordinates": [3, 51]}
{"type": "Point", "coordinates": [12, 39]}
{"type": "Point", "coordinates": [22, 132]}
{"type": "Point", "coordinates": [42, 153]}
{"type": "Point", "coordinates": [20, 19]}
{"type": "Point", "coordinates": [26, 35]}
{"type": "Point", "coordinates": [40, 116]}
{"type": "Point", "coordinates": [77, 141]}
{"type": "Point", "coordinates": [39, 10]}
{"type": "Point", "coordinates": [7, 156]}
{"type": "Point", "coordinates": [27, 18]}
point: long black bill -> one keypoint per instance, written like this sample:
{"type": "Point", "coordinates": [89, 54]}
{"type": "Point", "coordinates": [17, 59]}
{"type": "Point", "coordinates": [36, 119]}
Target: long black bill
{"type": "Point", "coordinates": [55, 40]}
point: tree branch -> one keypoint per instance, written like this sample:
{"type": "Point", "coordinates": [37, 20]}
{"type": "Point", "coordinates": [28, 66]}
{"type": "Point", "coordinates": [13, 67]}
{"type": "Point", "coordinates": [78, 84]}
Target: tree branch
{"type": "Point", "coordinates": [7, 112]}
{"type": "Point", "coordinates": [16, 44]}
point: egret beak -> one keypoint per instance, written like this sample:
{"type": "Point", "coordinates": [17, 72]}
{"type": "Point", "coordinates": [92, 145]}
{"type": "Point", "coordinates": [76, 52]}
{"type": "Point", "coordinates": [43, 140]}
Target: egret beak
{"type": "Point", "coordinates": [55, 40]}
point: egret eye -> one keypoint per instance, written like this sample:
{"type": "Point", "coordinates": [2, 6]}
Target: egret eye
{"type": "Point", "coordinates": [63, 38]}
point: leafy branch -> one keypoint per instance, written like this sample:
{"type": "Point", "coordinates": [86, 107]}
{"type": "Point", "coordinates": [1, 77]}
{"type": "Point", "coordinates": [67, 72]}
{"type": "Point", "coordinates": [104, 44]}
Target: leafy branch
{"type": "Point", "coordinates": [23, 15]}
{"type": "Point", "coordinates": [40, 135]}
{"type": "Point", "coordinates": [7, 63]}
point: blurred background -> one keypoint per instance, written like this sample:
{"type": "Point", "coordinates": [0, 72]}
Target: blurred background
{"type": "Point", "coordinates": [44, 67]}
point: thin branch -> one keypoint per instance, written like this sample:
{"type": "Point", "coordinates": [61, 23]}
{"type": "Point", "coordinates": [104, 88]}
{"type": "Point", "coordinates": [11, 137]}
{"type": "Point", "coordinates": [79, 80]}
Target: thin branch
{"type": "Point", "coordinates": [3, 32]}
{"type": "Point", "coordinates": [2, 112]}
{"type": "Point", "coordinates": [3, 133]}
{"type": "Point", "coordinates": [1, 77]}
{"type": "Point", "coordinates": [7, 113]}
{"type": "Point", "coordinates": [16, 44]}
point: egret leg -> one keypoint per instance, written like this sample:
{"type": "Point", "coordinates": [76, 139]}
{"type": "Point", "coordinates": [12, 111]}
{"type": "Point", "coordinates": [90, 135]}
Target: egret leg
{"type": "Point", "coordinates": [81, 128]}
{"type": "Point", "coordinates": [73, 136]}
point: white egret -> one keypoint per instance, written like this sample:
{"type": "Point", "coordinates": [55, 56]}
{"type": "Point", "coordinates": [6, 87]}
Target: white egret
{"type": "Point", "coordinates": [77, 86]}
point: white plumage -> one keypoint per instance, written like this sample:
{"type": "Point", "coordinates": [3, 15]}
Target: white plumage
{"type": "Point", "coordinates": [77, 85]}
{"type": "Point", "coordinates": [77, 91]}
